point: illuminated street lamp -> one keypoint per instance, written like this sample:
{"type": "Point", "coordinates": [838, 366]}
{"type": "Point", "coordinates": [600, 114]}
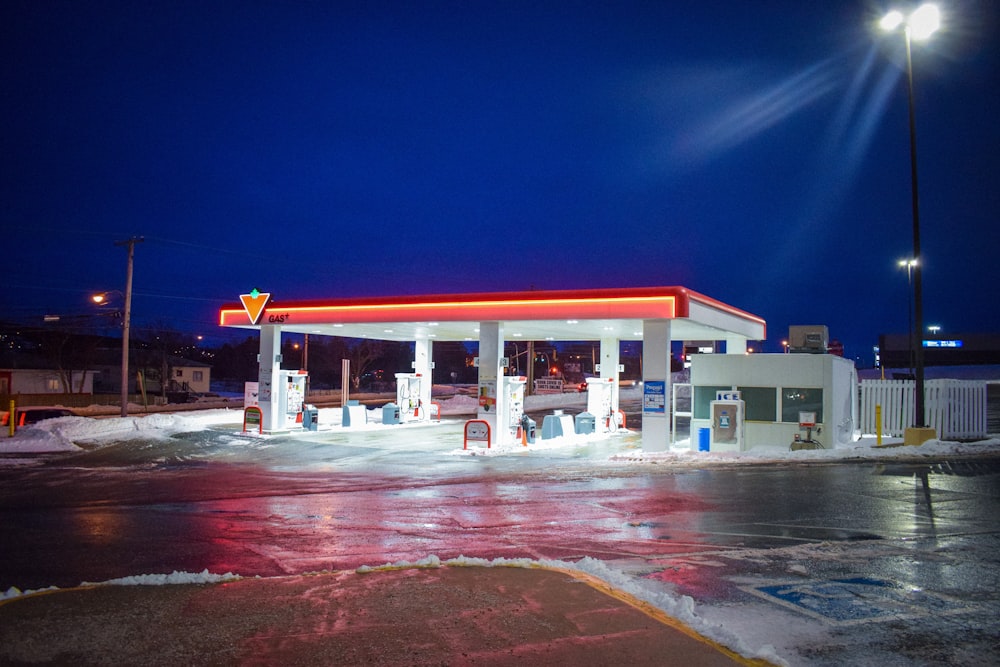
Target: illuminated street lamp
{"type": "Point", "coordinates": [102, 299]}
{"type": "Point", "coordinates": [920, 24]}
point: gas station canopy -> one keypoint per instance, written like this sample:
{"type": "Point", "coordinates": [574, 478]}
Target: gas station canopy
{"type": "Point", "coordinates": [568, 315]}
{"type": "Point", "coordinates": [654, 315]}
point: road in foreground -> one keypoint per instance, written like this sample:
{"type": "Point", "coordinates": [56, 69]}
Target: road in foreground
{"type": "Point", "coordinates": [831, 564]}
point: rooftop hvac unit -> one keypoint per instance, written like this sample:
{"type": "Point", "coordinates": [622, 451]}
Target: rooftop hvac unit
{"type": "Point", "coordinates": [811, 339]}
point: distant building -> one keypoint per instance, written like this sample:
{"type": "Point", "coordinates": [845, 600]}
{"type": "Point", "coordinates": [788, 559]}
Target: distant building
{"type": "Point", "coordinates": [181, 375]}
{"type": "Point", "coordinates": [940, 349]}
{"type": "Point", "coordinates": [44, 381]}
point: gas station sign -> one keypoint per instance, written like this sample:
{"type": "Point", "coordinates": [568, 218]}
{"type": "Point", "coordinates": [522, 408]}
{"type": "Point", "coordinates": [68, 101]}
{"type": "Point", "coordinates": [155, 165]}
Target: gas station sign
{"type": "Point", "coordinates": [254, 304]}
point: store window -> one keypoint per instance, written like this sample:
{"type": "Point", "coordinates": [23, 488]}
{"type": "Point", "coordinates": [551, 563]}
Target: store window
{"type": "Point", "coordinates": [761, 403]}
{"type": "Point", "coordinates": [795, 400]}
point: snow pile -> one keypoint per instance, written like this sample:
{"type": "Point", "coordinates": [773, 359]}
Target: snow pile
{"type": "Point", "coordinates": [15, 592]}
{"type": "Point", "coordinates": [63, 433]}
{"type": "Point", "coordinates": [68, 434]}
{"type": "Point", "coordinates": [464, 404]}
{"type": "Point", "coordinates": [864, 449]}
{"type": "Point", "coordinates": [679, 607]}
{"type": "Point", "coordinates": [51, 435]}
{"type": "Point", "coordinates": [175, 577]}
{"type": "Point", "coordinates": [459, 404]}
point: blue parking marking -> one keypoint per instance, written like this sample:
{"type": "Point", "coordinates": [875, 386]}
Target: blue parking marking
{"type": "Point", "coordinates": [855, 600]}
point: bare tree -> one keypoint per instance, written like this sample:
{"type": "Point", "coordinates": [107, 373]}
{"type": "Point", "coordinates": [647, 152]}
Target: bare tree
{"type": "Point", "coordinates": [361, 356]}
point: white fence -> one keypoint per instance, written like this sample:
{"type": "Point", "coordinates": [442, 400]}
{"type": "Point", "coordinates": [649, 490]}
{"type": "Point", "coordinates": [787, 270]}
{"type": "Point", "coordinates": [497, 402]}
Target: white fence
{"type": "Point", "coordinates": [954, 408]}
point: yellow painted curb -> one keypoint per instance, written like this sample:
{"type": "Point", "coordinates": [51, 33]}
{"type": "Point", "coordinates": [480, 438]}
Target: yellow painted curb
{"type": "Point", "coordinates": [657, 614]}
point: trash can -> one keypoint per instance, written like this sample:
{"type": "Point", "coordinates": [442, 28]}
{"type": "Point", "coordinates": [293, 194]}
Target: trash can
{"type": "Point", "coordinates": [585, 423]}
{"type": "Point", "coordinates": [528, 426]}
{"type": "Point", "coordinates": [310, 417]}
{"type": "Point", "coordinates": [704, 439]}
{"type": "Point", "coordinates": [354, 414]}
{"type": "Point", "coordinates": [390, 413]}
{"type": "Point", "coordinates": [556, 425]}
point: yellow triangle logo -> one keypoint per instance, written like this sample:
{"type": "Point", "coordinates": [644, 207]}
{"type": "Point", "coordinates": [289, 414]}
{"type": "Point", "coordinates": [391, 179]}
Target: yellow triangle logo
{"type": "Point", "coordinates": [254, 304]}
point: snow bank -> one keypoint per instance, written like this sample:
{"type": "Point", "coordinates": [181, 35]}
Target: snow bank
{"type": "Point", "coordinates": [864, 449]}
{"type": "Point", "coordinates": [15, 592]}
{"type": "Point", "coordinates": [66, 434]}
{"type": "Point", "coordinates": [175, 577]}
{"type": "Point", "coordinates": [463, 404]}
{"type": "Point", "coordinates": [63, 433]}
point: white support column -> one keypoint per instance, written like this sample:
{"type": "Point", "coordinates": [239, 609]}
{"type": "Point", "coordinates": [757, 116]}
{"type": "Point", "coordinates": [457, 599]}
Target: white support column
{"type": "Point", "coordinates": [490, 375]}
{"type": "Point", "coordinates": [656, 385]}
{"type": "Point", "coordinates": [736, 344]}
{"type": "Point", "coordinates": [610, 353]}
{"type": "Point", "coordinates": [268, 391]}
{"type": "Point", "coordinates": [423, 365]}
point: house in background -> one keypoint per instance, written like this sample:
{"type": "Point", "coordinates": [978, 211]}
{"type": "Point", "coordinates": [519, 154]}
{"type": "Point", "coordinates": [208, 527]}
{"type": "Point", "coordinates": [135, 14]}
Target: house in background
{"type": "Point", "coordinates": [187, 375]}
{"type": "Point", "coordinates": [161, 375]}
{"type": "Point", "coordinates": [37, 362]}
{"type": "Point", "coordinates": [44, 362]}
{"type": "Point", "coordinates": [44, 381]}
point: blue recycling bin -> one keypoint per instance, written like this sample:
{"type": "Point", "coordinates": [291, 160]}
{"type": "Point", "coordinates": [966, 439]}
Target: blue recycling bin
{"type": "Point", "coordinates": [585, 423]}
{"type": "Point", "coordinates": [704, 439]}
{"type": "Point", "coordinates": [557, 425]}
{"type": "Point", "coordinates": [310, 418]}
{"type": "Point", "coordinates": [390, 413]}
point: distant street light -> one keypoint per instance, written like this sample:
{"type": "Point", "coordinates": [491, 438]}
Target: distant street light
{"type": "Point", "coordinates": [921, 24]}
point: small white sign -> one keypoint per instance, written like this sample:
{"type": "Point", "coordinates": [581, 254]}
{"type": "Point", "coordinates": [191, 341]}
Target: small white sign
{"type": "Point", "coordinates": [251, 394]}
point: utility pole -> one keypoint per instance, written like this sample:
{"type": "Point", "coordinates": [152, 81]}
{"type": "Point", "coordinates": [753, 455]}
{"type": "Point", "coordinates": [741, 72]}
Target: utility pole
{"type": "Point", "coordinates": [130, 243]}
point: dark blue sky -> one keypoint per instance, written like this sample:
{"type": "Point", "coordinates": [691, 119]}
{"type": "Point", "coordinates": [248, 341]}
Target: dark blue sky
{"type": "Point", "coordinates": [755, 152]}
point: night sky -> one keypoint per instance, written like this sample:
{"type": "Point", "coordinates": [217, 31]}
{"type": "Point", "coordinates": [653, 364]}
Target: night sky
{"type": "Point", "coordinates": [757, 152]}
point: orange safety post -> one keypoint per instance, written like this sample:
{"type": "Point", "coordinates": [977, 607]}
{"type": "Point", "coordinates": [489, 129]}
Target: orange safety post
{"type": "Point", "coordinates": [476, 430]}
{"type": "Point", "coordinates": [252, 414]}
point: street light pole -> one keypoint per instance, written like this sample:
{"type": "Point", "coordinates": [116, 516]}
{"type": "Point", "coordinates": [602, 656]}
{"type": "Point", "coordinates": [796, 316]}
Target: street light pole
{"type": "Point", "coordinates": [909, 264]}
{"type": "Point", "coordinates": [918, 295]}
{"type": "Point", "coordinates": [920, 24]}
{"type": "Point", "coordinates": [126, 318]}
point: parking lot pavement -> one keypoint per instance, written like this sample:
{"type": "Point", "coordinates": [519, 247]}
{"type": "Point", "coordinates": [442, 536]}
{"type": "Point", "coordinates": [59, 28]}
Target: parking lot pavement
{"type": "Point", "coordinates": [414, 616]}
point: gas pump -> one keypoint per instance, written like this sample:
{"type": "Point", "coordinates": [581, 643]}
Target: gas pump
{"type": "Point", "coordinates": [513, 405]}
{"type": "Point", "coordinates": [502, 409]}
{"type": "Point", "coordinates": [727, 421]}
{"type": "Point", "coordinates": [408, 398]}
{"type": "Point", "coordinates": [291, 386]}
{"type": "Point", "coordinates": [600, 397]}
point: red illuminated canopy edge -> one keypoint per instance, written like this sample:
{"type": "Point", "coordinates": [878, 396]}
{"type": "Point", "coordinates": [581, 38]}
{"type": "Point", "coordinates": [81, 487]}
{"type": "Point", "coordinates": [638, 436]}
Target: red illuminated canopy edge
{"type": "Point", "coordinates": [609, 303]}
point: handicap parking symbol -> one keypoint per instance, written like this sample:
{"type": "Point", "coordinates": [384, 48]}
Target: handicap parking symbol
{"type": "Point", "coordinates": [854, 600]}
